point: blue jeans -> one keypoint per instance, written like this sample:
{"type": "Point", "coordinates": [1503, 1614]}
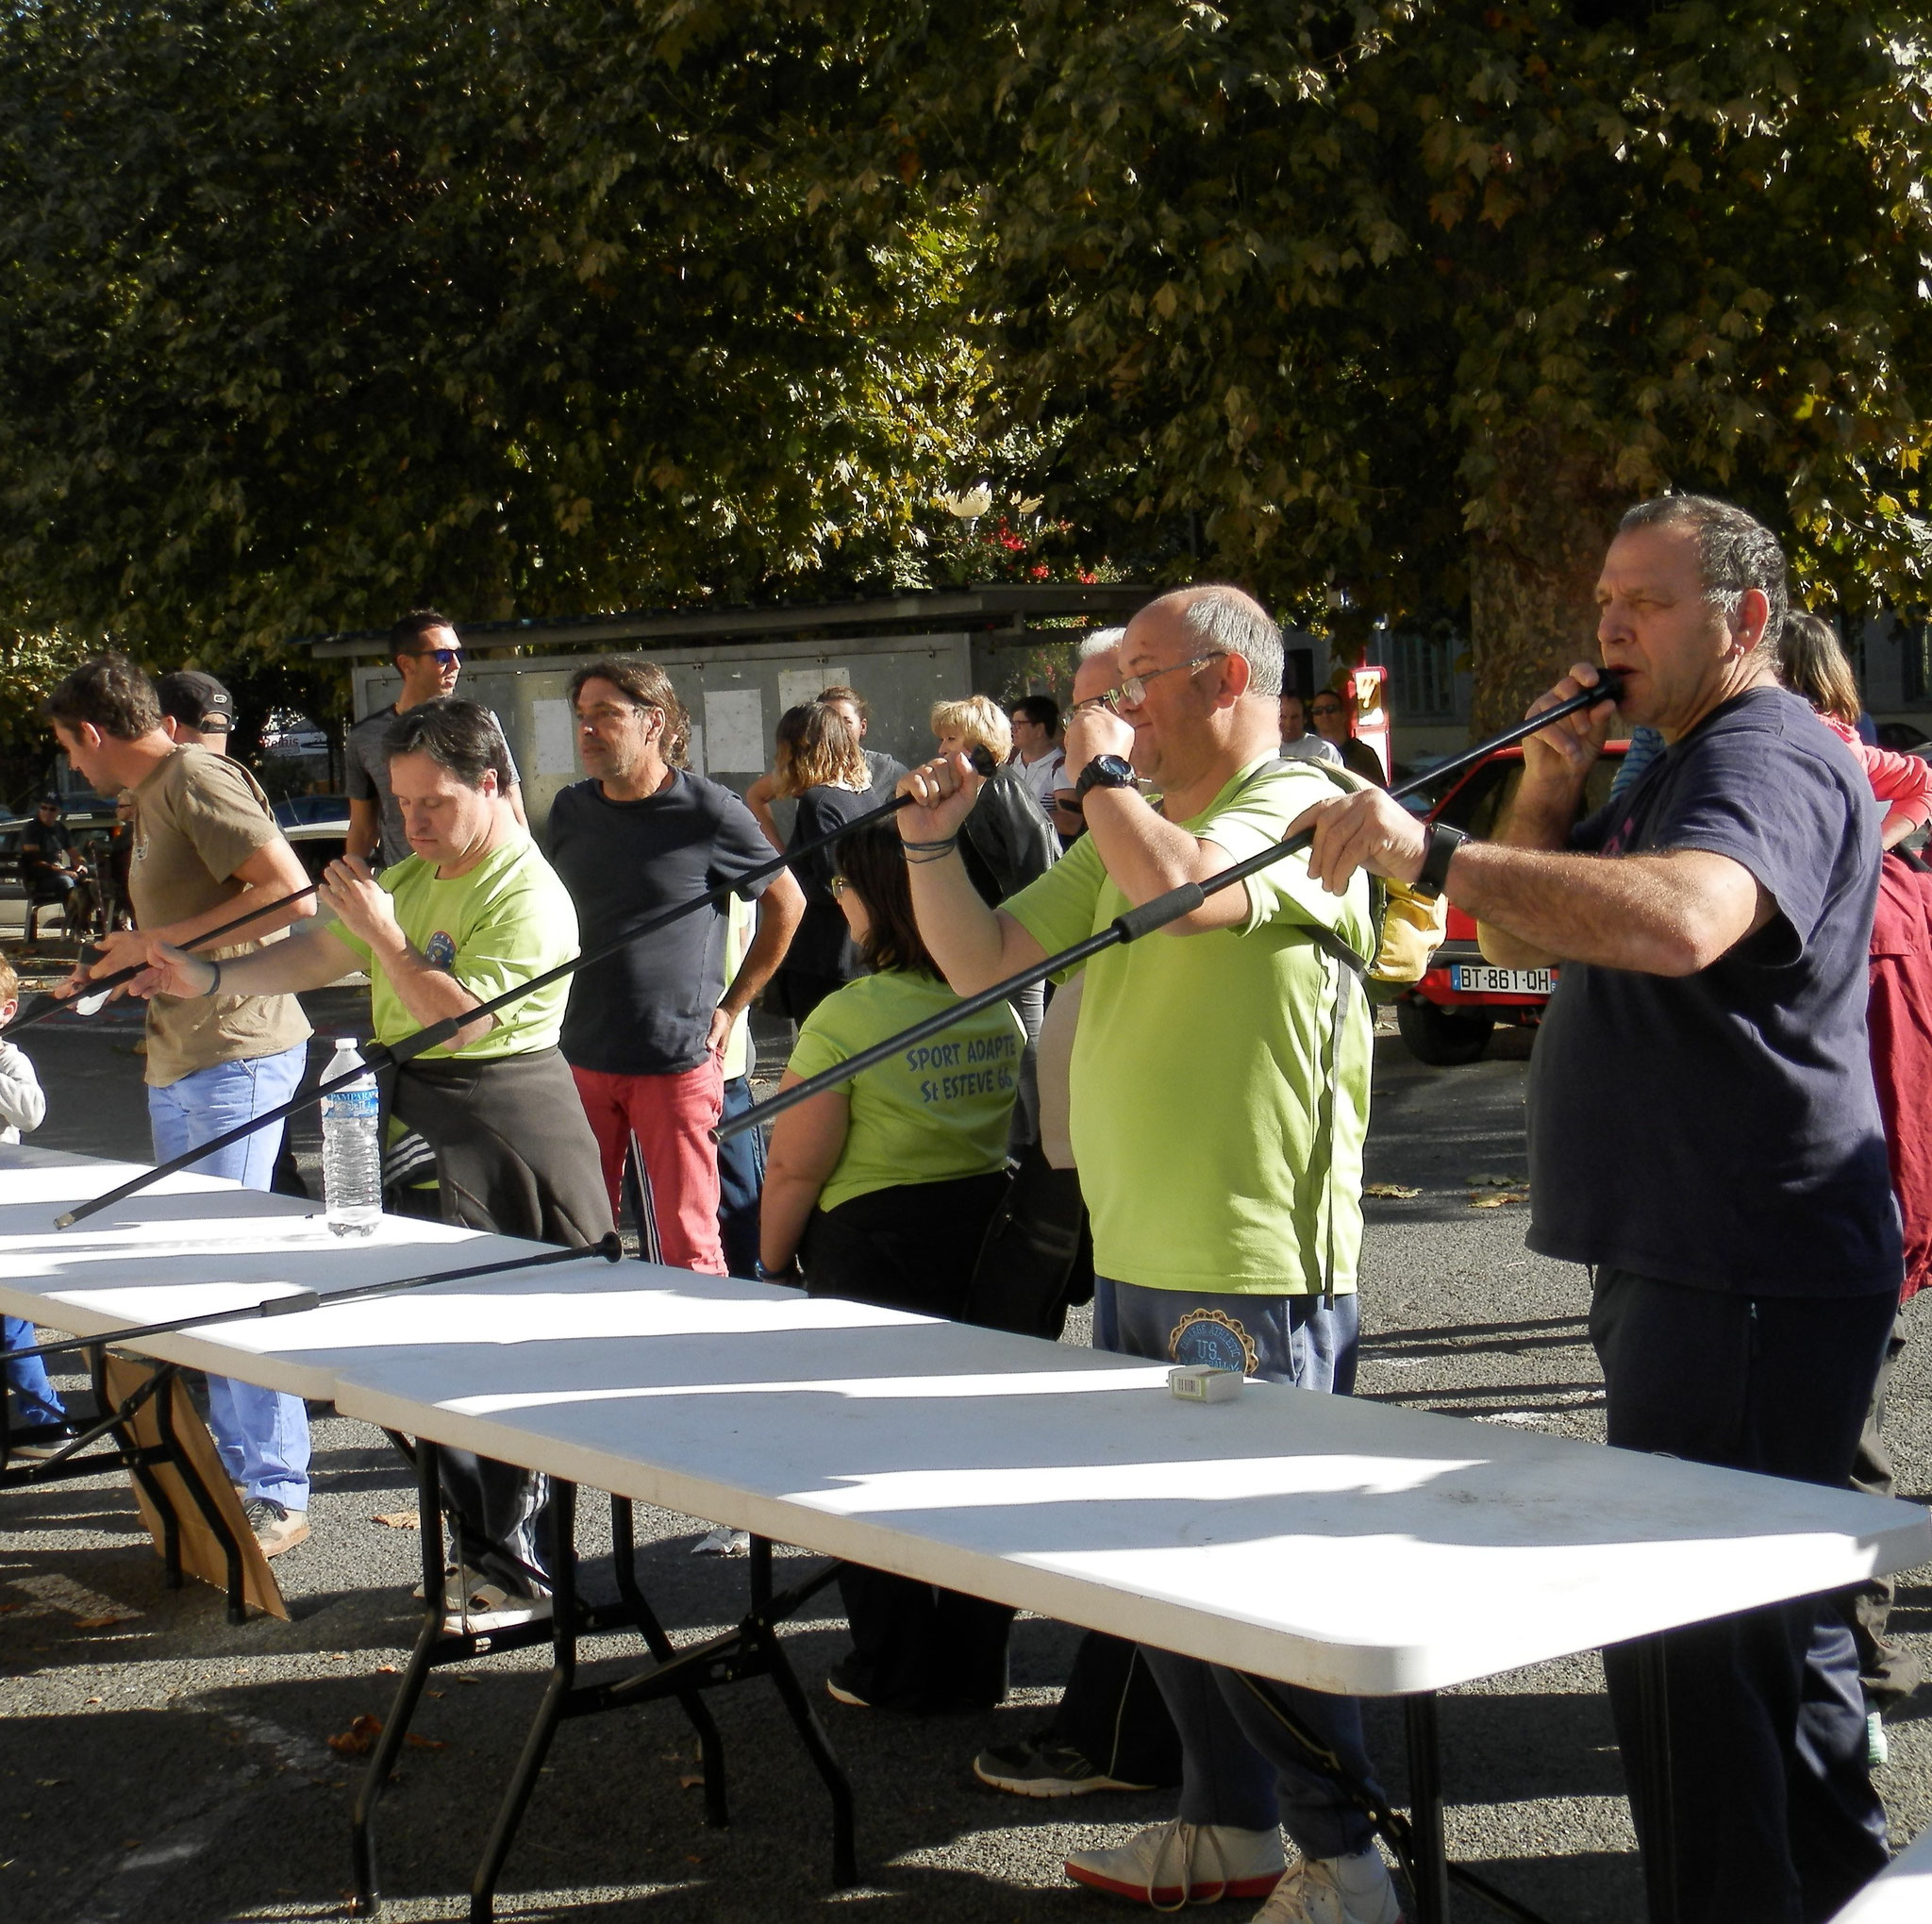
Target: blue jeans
{"type": "Point", "coordinates": [1239, 1767]}
{"type": "Point", "coordinates": [741, 1183]}
{"type": "Point", "coordinates": [262, 1434]}
{"type": "Point", "coordinates": [36, 1399]}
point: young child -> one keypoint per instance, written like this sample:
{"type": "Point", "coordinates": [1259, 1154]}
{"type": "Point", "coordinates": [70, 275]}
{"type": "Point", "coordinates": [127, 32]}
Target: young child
{"type": "Point", "coordinates": [41, 1425]}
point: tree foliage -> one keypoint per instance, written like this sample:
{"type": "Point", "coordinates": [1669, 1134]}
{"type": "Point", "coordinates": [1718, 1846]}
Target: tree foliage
{"type": "Point", "coordinates": [1404, 300]}
{"type": "Point", "coordinates": [313, 310]}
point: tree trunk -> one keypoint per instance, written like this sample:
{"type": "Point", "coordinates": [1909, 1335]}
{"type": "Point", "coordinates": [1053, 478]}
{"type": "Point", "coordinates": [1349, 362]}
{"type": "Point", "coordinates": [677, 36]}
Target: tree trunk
{"type": "Point", "coordinates": [1533, 570]}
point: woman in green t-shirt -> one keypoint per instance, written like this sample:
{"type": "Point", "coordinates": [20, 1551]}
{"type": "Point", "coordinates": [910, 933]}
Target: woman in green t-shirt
{"type": "Point", "coordinates": [881, 1192]}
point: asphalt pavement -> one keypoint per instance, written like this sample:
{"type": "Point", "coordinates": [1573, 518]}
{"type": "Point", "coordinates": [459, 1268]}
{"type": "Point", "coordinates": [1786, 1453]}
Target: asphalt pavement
{"type": "Point", "coordinates": [162, 1766]}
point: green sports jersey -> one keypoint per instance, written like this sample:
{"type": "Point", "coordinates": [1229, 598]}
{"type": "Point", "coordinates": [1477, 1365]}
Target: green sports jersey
{"type": "Point", "coordinates": [508, 919]}
{"type": "Point", "coordinates": [940, 1109]}
{"type": "Point", "coordinates": [1202, 1104]}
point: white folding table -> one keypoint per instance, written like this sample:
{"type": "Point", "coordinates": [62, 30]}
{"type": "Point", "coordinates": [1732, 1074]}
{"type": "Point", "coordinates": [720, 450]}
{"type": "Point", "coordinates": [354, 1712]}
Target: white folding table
{"type": "Point", "coordinates": [1341, 1545]}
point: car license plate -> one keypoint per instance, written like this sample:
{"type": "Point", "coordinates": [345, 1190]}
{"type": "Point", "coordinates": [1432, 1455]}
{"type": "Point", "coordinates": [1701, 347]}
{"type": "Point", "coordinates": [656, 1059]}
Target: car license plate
{"type": "Point", "coordinates": [1472, 979]}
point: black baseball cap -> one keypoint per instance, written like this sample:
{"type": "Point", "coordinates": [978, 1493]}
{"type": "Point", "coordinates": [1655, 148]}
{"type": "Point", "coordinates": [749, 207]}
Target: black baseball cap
{"type": "Point", "coordinates": [195, 700]}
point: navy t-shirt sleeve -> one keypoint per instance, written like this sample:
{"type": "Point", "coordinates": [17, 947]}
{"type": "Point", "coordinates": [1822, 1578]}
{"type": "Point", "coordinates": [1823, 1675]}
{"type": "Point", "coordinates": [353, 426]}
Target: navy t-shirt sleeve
{"type": "Point", "coordinates": [740, 847]}
{"type": "Point", "coordinates": [1719, 806]}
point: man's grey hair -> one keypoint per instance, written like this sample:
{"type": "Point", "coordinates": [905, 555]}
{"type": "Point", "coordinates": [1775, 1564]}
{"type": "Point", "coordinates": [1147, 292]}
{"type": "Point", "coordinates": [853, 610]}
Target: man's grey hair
{"type": "Point", "coordinates": [1735, 552]}
{"type": "Point", "coordinates": [1234, 621]}
{"type": "Point", "coordinates": [1099, 642]}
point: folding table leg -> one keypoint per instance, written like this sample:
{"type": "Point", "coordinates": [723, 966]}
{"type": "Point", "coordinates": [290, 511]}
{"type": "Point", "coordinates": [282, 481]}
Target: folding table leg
{"type": "Point", "coordinates": [710, 1745]}
{"type": "Point", "coordinates": [203, 1496]}
{"type": "Point", "coordinates": [563, 1628]}
{"type": "Point", "coordinates": [812, 1734]}
{"type": "Point", "coordinates": [1656, 1812]}
{"type": "Point", "coordinates": [368, 1900]}
{"type": "Point", "coordinates": [1425, 1810]}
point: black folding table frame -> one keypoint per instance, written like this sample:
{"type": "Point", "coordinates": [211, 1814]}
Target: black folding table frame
{"type": "Point", "coordinates": [114, 1423]}
{"type": "Point", "coordinates": [750, 1649]}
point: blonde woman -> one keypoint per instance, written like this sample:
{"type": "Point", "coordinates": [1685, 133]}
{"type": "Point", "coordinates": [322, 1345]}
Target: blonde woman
{"type": "Point", "coordinates": [1005, 842]}
{"type": "Point", "coordinates": [820, 767]}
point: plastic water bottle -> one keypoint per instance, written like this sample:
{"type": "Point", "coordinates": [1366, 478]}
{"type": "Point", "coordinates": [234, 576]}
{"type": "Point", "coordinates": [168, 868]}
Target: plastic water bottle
{"type": "Point", "coordinates": [351, 1143]}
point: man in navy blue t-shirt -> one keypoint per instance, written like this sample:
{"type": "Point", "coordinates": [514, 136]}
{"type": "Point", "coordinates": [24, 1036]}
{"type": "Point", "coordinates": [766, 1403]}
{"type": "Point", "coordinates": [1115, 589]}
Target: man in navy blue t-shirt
{"type": "Point", "coordinates": [646, 1031]}
{"type": "Point", "coordinates": [1703, 1133]}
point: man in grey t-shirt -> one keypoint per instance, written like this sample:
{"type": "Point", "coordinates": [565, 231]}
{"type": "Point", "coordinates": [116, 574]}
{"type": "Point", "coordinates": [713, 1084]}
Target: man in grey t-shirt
{"type": "Point", "coordinates": [428, 655]}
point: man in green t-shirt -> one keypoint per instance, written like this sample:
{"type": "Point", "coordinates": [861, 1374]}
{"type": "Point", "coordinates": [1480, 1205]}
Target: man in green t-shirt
{"type": "Point", "coordinates": [473, 911]}
{"type": "Point", "coordinates": [1220, 1089]}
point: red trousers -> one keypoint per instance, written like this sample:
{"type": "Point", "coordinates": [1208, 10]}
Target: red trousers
{"type": "Point", "coordinates": [670, 1118]}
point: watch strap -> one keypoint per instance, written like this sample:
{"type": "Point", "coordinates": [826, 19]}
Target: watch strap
{"type": "Point", "coordinates": [1439, 850]}
{"type": "Point", "coordinates": [1104, 770]}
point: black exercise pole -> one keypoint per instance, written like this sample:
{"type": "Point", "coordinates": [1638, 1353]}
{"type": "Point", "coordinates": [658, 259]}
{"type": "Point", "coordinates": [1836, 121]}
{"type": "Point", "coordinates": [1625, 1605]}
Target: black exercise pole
{"type": "Point", "coordinates": [301, 1301]}
{"type": "Point", "coordinates": [1130, 926]}
{"type": "Point", "coordinates": [392, 1055]}
{"type": "Point", "coordinates": [96, 992]}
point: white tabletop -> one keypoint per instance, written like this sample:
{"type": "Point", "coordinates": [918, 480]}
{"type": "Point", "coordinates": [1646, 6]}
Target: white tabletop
{"type": "Point", "coordinates": [198, 1242]}
{"type": "Point", "coordinates": [1342, 1545]}
{"type": "Point", "coordinates": [1902, 1895]}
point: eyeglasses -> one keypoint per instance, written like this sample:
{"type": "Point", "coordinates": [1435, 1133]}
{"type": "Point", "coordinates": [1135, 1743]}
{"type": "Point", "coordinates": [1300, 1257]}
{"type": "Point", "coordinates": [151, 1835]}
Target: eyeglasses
{"type": "Point", "coordinates": [1324, 708]}
{"type": "Point", "coordinates": [837, 886]}
{"type": "Point", "coordinates": [1133, 691]}
{"type": "Point", "coordinates": [443, 657]}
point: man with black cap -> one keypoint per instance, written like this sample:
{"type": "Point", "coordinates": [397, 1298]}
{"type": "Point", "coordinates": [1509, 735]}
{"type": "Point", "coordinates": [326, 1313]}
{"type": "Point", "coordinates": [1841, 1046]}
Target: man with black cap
{"type": "Point", "coordinates": [196, 709]}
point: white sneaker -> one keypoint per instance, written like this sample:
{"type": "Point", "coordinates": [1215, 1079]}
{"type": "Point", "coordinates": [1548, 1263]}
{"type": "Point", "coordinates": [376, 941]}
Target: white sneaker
{"type": "Point", "coordinates": [1334, 1890]}
{"type": "Point", "coordinates": [1171, 1865]}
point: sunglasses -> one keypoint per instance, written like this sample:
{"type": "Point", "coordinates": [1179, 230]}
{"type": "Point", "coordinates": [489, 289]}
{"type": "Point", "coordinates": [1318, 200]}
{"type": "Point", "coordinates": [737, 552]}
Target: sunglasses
{"type": "Point", "coordinates": [837, 886]}
{"type": "Point", "coordinates": [443, 657]}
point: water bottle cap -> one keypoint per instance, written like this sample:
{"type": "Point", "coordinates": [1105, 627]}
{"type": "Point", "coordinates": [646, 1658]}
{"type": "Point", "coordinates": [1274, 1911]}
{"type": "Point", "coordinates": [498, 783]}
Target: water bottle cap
{"type": "Point", "coordinates": [345, 1041]}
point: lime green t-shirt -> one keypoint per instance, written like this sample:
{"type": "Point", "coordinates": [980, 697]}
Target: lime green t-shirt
{"type": "Point", "coordinates": [1200, 1066]}
{"type": "Point", "coordinates": [508, 919]}
{"type": "Point", "coordinates": [940, 1109]}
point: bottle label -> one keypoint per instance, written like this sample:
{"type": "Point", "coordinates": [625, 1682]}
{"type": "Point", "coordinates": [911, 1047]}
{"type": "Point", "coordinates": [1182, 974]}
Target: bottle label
{"type": "Point", "coordinates": [351, 1105]}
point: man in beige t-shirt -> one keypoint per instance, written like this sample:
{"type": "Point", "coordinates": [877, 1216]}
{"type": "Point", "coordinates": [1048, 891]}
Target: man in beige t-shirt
{"type": "Point", "coordinates": [205, 843]}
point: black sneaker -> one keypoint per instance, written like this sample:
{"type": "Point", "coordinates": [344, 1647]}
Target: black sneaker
{"type": "Point", "coordinates": [276, 1528]}
{"type": "Point", "coordinates": [1040, 1767]}
{"type": "Point", "coordinates": [36, 1442]}
{"type": "Point", "coordinates": [845, 1684]}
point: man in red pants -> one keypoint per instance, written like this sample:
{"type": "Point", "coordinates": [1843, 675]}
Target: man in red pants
{"type": "Point", "coordinates": [646, 1031]}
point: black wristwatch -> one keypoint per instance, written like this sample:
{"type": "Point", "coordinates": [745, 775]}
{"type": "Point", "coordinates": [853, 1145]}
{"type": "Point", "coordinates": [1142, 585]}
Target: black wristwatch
{"type": "Point", "coordinates": [1439, 844]}
{"type": "Point", "coordinates": [1104, 770]}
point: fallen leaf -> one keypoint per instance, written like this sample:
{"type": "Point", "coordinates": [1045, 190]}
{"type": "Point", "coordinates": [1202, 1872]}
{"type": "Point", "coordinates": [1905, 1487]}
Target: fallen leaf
{"type": "Point", "coordinates": [102, 1622]}
{"type": "Point", "coordinates": [422, 1743]}
{"type": "Point", "coordinates": [1496, 1198]}
{"type": "Point", "coordinates": [355, 1740]}
{"type": "Point", "coordinates": [93, 1699]}
{"type": "Point", "coordinates": [1400, 1191]}
{"type": "Point", "coordinates": [690, 1783]}
{"type": "Point", "coordinates": [432, 1693]}
{"type": "Point", "coordinates": [4, 1608]}
{"type": "Point", "coordinates": [399, 1519]}
{"type": "Point", "coordinates": [387, 1669]}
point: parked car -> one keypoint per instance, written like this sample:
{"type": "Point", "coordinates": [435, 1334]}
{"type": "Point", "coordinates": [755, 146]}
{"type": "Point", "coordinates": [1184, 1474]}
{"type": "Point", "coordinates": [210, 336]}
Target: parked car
{"type": "Point", "coordinates": [317, 827]}
{"type": "Point", "coordinates": [1448, 1017]}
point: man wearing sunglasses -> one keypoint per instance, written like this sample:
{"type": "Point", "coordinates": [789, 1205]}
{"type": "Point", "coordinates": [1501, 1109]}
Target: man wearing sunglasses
{"type": "Point", "coordinates": [428, 655]}
{"type": "Point", "coordinates": [1219, 1102]}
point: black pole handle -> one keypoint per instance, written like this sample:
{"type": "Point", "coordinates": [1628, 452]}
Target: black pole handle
{"type": "Point", "coordinates": [406, 1049]}
{"type": "Point", "coordinates": [301, 1301]}
{"type": "Point", "coordinates": [44, 1006]}
{"type": "Point", "coordinates": [1134, 923]}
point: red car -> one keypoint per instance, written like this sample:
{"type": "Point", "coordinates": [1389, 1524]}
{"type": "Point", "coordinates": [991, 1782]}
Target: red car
{"type": "Point", "coordinates": [1448, 1017]}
